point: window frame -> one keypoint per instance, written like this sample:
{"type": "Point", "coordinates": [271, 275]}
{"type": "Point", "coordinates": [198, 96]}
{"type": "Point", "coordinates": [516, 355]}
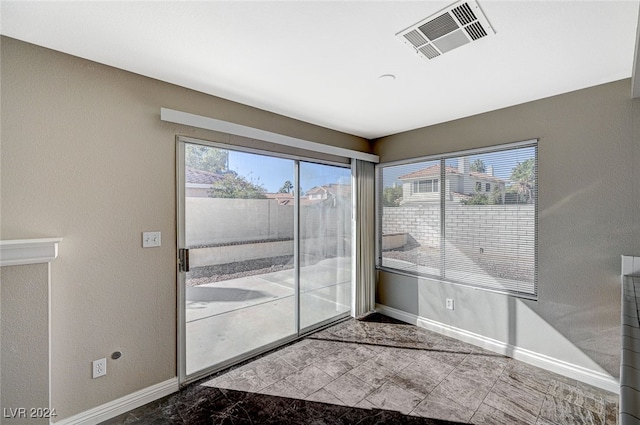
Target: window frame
{"type": "Point", "coordinates": [443, 158]}
{"type": "Point", "coordinates": [428, 183]}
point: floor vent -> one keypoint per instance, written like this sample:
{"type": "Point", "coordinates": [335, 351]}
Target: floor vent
{"type": "Point", "coordinates": [461, 23]}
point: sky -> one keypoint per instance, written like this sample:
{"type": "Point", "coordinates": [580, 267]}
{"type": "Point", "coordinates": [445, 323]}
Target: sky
{"type": "Point", "coordinates": [272, 172]}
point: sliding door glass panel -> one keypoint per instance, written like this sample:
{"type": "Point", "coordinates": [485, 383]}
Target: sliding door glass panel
{"type": "Point", "coordinates": [325, 243]}
{"type": "Point", "coordinates": [239, 215]}
{"type": "Point", "coordinates": [410, 199]}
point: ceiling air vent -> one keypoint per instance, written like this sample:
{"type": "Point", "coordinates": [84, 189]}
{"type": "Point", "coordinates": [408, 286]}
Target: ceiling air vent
{"type": "Point", "coordinates": [461, 23]}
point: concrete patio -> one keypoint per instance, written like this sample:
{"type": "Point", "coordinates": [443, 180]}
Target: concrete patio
{"type": "Point", "coordinates": [228, 318]}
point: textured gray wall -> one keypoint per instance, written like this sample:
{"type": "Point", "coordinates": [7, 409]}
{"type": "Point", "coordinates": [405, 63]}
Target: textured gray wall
{"type": "Point", "coordinates": [86, 157]}
{"type": "Point", "coordinates": [588, 216]}
{"type": "Point", "coordinates": [24, 361]}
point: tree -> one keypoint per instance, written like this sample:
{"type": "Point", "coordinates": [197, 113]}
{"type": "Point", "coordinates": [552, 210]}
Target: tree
{"type": "Point", "coordinates": [481, 198]}
{"type": "Point", "coordinates": [286, 187]}
{"type": "Point", "coordinates": [231, 185]}
{"type": "Point", "coordinates": [476, 199]}
{"type": "Point", "coordinates": [523, 177]}
{"type": "Point", "coordinates": [206, 158]}
{"type": "Point", "coordinates": [496, 196]}
{"type": "Point", "coordinates": [391, 196]}
{"type": "Point", "coordinates": [478, 166]}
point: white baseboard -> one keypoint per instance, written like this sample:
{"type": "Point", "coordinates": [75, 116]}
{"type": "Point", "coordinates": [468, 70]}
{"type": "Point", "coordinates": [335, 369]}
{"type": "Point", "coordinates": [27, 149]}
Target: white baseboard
{"type": "Point", "coordinates": [580, 373]}
{"type": "Point", "coordinates": [123, 404]}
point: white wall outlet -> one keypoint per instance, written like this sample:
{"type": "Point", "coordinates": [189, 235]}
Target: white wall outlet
{"type": "Point", "coordinates": [151, 239]}
{"type": "Point", "coordinates": [449, 304]}
{"type": "Point", "coordinates": [99, 368]}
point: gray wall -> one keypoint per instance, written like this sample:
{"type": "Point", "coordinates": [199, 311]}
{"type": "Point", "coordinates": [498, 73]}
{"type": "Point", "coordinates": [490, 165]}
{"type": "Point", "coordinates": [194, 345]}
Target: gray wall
{"type": "Point", "coordinates": [86, 157]}
{"type": "Point", "coordinates": [24, 346]}
{"type": "Point", "coordinates": [588, 216]}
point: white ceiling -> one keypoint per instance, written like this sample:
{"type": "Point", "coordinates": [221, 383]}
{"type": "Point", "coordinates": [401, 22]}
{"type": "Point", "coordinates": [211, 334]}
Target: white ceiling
{"type": "Point", "coordinates": [319, 61]}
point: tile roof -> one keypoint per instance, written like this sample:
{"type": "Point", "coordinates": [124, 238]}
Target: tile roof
{"type": "Point", "coordinates": [486, 177]}
{"type": "Point", "coordinates": [434, 171]}
{"type": "Point", "coordinates": [282, 198]}
{"type": "Point", "coordinates": [193, 175]}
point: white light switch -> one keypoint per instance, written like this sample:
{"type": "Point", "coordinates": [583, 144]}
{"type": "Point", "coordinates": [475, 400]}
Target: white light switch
{"type": "Point", "coordinates": [151, 239]}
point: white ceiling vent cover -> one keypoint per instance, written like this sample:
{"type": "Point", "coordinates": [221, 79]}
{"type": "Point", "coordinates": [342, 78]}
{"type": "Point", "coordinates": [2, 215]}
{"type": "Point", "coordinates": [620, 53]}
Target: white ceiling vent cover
{"type": "Point", "coordinates": [461, 23]}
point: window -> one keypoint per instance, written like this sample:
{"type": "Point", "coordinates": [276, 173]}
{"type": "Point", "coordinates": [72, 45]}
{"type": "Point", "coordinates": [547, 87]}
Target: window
{"type": "Point", "coordinates": [425, 186]}
{"type": "Point", "coordinates": [464, 235]}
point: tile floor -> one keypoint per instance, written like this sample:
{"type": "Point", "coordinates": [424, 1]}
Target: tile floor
{"type": "Point", "coordinates": [378, 370]}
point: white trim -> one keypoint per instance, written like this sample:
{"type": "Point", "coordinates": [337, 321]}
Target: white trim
{"type": "Point", "coordinates": [181, 334]}
{"type": "Point", "coordinates": [199, 121]}
{"type": "Point", "coordinates": [635, 74]}
{"type": "Point", "coordinates": [28, 251]}
{"type": "Point", "coordinates": [354, 235]}
{"type": "Point", "coordinates": [123, 404]}
{"type": "Point", "coordinates": [583, 374]}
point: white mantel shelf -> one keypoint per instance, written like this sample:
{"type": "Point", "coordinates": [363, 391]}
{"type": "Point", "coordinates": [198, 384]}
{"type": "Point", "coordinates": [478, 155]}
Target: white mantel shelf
{"type": "Point", "coordinates": [28, 251]}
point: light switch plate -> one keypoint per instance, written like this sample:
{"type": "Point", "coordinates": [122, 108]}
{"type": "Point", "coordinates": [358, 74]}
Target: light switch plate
{"type": "Point", "coordinates": [151, 239]}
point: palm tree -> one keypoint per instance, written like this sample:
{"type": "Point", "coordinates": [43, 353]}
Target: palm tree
{"type": "Point", "coordinates": [524, 176]}
{"type": "Point", "coordinates": [286, 187]}
{"type": "Point", "coordinates": [478, 166]}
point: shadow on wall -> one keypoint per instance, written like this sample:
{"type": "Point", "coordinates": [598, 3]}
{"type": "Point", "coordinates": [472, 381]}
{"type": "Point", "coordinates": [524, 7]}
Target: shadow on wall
{"type": "Point", "coordinates": [508, 325]}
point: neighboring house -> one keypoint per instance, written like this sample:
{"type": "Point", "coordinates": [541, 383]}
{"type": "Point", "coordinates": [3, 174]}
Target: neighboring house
{"type": "Point", "coordinates": [460, 183]}
{"type": "Point", "coordinates": [198, 183]}
{"type": "Point", "coordinates": [282, 198]}
{"type": "Point", "coordinates": [331, 193]}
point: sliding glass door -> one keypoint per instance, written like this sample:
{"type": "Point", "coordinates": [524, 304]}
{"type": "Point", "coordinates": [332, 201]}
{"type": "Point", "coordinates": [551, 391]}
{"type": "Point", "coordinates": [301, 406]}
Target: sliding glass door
{"type": "Point", "coordinates": [325, 243]}
{"type": "Point", "coordinates": [265, 254]}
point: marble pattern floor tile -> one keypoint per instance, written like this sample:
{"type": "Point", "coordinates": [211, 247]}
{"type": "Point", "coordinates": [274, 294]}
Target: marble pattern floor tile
{"type": "Point", "coordinates": [309, 380]}
{"type": "Point", "coordinates": [372, 373]}
{"type": "Point", "coordinates": [468, 394]}
{"type": "Point", "coordinates": [491, 416]}
{"type": "Point", "coordinates": [381, 371]}
{"type": "Point", "coordinates": [563, 412]}
{"type": "Point", "coordinates": [518, 401]}
{"type": "Point", "coordinates": [392, 397]}
{"type": "Point", "coordinates": [422, 376]}
{"type": "Point", "coordinates": [281, 389]}
{"type": "Point", "coordinates": [577, 396]}
{"type": "Point", "coordinates": [438, 406]}
{"type": "Point", "coordinates": [349, 389]}
{"type": "Point", "coordinates": [324, 396]}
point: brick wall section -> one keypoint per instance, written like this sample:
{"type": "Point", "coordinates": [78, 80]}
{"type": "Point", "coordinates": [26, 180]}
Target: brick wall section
{"type": "Point", "coordinates": [422, 224]}
{"type": "Point", "coordinates": [490, 227]}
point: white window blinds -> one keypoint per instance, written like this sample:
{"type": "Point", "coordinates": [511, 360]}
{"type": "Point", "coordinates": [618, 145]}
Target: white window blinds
{"type": "Point", "coordinates": [477, 228]}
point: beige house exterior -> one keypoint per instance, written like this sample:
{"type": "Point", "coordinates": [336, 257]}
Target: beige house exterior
{"type": "Point", "coordinates": [460, 183]}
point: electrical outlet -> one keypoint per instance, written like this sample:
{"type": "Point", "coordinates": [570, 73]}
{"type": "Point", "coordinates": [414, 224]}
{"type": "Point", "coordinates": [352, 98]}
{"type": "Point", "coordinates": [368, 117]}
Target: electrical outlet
{"type": "Point", "coordinates": [99, 368]}
{"type": "Point", "coordinates": [449, 304]}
